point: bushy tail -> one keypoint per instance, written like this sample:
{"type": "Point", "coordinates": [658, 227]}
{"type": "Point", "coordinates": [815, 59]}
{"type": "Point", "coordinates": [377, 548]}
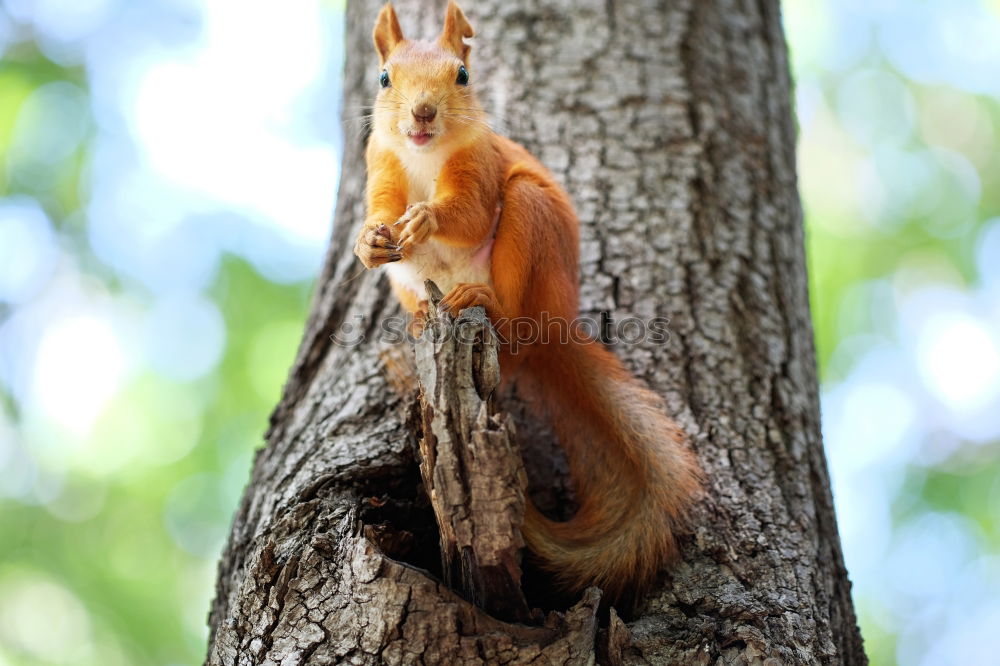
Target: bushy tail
{"type": "Point", "coordinates": [633, 473]}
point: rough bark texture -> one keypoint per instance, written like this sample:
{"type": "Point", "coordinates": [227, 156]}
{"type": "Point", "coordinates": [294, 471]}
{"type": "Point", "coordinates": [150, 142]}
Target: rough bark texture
{"type": "Point", "coordinates": [470, 462]}
{"type": "Point", "coordinates": [670, 123]}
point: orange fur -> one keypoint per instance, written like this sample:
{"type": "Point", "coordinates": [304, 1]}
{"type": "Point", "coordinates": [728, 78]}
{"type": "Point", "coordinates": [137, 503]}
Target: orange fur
{"type": "Point", "coordinates": [436, 177]}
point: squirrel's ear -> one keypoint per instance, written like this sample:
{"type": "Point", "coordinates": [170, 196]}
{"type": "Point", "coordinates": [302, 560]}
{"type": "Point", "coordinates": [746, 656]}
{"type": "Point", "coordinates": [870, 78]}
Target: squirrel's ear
{"type": "Point", "coordinates": [387, 32]}
{"type": "Point", "coordinates": [456, 27]}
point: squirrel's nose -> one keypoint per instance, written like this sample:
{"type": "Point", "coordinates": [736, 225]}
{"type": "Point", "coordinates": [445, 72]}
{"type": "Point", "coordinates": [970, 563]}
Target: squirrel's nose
{"type": "Point", "coordinates": [424, 112]}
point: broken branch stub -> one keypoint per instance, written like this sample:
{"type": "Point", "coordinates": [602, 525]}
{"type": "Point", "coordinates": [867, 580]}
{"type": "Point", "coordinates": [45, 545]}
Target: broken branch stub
{"type": "Point", "coordinates": [470, 462]}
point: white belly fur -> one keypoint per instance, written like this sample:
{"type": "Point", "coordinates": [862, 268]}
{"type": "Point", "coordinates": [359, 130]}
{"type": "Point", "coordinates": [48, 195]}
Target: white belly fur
{"type": "Point", "coordinates": [447, 266]}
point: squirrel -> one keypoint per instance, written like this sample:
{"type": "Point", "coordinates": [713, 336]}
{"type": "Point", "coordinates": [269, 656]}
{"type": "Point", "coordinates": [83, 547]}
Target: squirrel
{"type": "Point", "coordinates": [450, 200]}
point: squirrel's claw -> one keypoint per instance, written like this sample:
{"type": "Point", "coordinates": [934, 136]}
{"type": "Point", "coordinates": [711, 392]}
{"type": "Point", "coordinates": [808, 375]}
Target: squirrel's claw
{"type": "Point", "coordinates": [376, 247]}
{"type": "Point", "coordinates": [468, 295]}
{"type": "Point", "coordinates": [419, 223]}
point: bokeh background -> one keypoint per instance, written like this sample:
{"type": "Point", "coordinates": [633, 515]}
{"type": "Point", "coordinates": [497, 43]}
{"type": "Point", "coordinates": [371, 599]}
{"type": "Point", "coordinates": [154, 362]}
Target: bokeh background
{"type": "Point", "coordinates": [167, 177]}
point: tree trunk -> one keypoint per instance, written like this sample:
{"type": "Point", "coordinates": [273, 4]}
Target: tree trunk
{"type": "Point", "coordinates": [670, 123]}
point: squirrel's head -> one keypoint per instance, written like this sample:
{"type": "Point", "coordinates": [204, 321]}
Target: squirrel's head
{"type": "Point", "coordinates": [424, 98]}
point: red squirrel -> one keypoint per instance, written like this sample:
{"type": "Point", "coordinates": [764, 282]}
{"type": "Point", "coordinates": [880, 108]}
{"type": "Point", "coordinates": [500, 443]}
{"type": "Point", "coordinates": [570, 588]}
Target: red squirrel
{"type": "Point", "coordinates": [451, 201]}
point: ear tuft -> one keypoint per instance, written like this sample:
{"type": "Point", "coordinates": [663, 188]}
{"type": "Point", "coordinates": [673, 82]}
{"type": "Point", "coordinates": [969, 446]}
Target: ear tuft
{"type": "Point", "coordinates": [387, 32]}
{"type": "Point", "coordinates": [456, 28]}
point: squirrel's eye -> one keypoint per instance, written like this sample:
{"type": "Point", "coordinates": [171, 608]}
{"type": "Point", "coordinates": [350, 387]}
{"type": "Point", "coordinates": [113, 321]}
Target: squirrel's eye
{"type": "Point", "coordinates": [383, 78]}
{"type": "Point", "coordinates": [463, 76]}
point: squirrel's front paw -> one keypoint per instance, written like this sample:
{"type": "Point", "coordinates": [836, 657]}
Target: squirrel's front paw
{"type": "Point", "coordinates": [467, 295]}
{"type": "Point", "coordinates": [376, 247]}
{"type": "Point", "coordinates": [418, 223]}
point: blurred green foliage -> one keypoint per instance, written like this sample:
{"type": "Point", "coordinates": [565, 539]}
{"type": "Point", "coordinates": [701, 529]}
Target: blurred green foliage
{"type": "Point", "coordinates": [120, 563]}
{"type": "Point", "coordinates": [135, 538]}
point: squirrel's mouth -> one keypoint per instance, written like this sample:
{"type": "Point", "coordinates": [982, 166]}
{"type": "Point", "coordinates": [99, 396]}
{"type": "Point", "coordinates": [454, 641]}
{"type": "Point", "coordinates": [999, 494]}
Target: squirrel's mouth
{"type": "Point", "coordinates": [420, 137]}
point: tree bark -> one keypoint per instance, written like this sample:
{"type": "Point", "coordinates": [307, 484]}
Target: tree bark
{"type": "Point", "coordinates": [670, 123]}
